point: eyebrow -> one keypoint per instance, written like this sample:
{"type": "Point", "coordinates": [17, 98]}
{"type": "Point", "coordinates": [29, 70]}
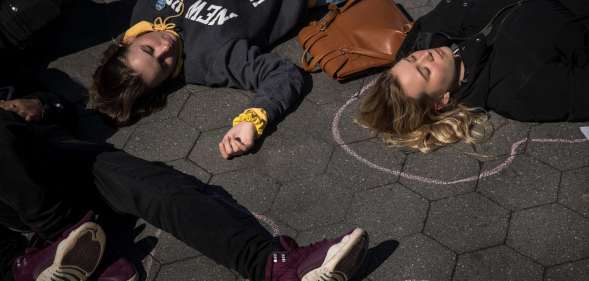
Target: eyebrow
{"type": "Point", "coordinates": [418, 70]}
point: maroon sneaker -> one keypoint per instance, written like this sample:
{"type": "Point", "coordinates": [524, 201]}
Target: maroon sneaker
{"type": "Point", "coordinates": [73, 257]}
{"type": "Point", "coordinates": [119, 270]}
{"type": "Point", "coordinates": [327, 260]}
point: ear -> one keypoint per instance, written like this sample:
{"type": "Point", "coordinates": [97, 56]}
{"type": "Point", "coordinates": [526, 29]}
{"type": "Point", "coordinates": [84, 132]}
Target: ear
{"type": "Point", "coordinates": [442, 102]}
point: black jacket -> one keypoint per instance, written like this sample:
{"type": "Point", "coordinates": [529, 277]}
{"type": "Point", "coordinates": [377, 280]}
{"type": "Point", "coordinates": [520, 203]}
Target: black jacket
{"type": "Point", "coordinates": [532, 66]}
{"type": "Point", "coordinates": [225, 44]}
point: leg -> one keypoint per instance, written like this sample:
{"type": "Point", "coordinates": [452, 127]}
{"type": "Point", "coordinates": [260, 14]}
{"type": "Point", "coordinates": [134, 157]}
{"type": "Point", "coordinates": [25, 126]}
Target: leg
{"type": "Point", "coordinates": [12, 245]}
{"type": "Point", "coordinates": [187, 208]}
{"type": "Point", "coordinates": [20, 189]}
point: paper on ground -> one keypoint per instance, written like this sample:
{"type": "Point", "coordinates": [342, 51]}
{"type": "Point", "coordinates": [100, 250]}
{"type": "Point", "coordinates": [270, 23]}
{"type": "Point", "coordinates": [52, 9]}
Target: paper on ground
{"type": "Point", "coordinates": [585, 131]}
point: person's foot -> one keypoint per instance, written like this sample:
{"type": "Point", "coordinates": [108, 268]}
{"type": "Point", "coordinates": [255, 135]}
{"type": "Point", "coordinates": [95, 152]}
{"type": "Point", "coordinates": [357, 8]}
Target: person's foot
{"type": "Point", "coordinates": [72, 257]}
{"type": "Point", "coordinates": [119, 270]}
{"type": "Point", "coordinates": [327, 260]}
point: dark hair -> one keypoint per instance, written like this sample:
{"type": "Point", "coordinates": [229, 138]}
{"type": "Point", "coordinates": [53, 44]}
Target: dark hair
{"type": "Point", "coordinates": [118, 92]}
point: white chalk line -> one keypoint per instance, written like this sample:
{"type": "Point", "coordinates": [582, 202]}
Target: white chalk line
{"type": "Point", "coordinates": [273, 226]}
{"type": "Point", "coordinates": [486, 173]}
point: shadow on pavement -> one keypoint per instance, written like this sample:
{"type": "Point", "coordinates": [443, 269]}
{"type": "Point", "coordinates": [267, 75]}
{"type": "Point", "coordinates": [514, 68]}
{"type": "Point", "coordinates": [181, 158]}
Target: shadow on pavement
{"type": "Point", "coordinates": [375, 257]}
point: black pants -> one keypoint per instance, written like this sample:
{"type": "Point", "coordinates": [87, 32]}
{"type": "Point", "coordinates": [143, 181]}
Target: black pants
{"type": "Point", "coordinates": [48, 178]}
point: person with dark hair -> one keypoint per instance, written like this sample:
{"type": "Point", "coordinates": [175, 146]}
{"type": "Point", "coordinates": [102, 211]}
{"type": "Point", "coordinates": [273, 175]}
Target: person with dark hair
{"type": "Point", "coordinates": [527, 60]}
{"type": "Point", "coordinates": [211, 43]}
{"type": "Point", "coordinates": [45, 171]}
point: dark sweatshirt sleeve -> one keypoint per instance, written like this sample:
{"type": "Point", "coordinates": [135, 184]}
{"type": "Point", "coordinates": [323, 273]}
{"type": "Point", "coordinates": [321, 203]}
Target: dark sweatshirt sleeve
{"type": "Point", "coordinates": [56, 109]}
{"type": "Point", "coordinates": [278, 83]}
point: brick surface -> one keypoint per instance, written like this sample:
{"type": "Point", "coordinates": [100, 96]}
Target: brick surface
{"type": "Point", "coordinates": [390, 211]}
{"type": "Point", "coordinates": [417, 258]}
{"type": "Point", "coordinates": [358, 174]}
{"type": "Point", "coordinates": [574, 190]}
{"type": "Point", "coordinates": [288, 156]}
{"type": "Point", "coordinates": [213, 109]}
{"type": "Point", "coordinates": [575, 271]}
{"type": "Point", "coordinates": [549, 234]}
{"type": "Point", "coordinates": [312, 202]}
{"type": "Point", "coordinates": [250, 189]}
{"type": "Point", "coordinates": [467, 222]}
{"type": "Point", "coordinates": [447, 164]}
{"type": "Point", "coordinates": [197, 269]}
{"type": "Point", "coordinates": [525, 183]}
{"type": "Point", "coordinates": [163, 141]}
{"type": "Point", "coordinates": [560, 156]}
{"type": "Point", "coordinates": [498, 263]}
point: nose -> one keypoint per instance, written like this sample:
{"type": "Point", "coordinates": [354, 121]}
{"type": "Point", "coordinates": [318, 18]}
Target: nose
{"type": "Point", "coordinates": [163, 50]}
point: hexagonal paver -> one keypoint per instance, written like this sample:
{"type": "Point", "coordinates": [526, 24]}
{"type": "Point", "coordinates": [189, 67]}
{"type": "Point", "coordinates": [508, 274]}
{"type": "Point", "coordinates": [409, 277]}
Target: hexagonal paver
{"type": "Point", "coordinates": [502, 139]}
{"type": "Point", "coordinates": [120, 138]}
{"type": "Point", "coordinates": [498, 263]}
{"type": "Point", "coordinates": [325, 232]}
{"type": "Point", "coordinates": [250, 189]}
{"type": "Point", "coordinates": [345, 124]}
{"type": "Point", "coordinates": [326, 90]}
{"type": "Point", "coordinates": [165, 140]}
{"type": "Point", "coordinates": [199, 269]}
{"type": "Point", "coordinates": [310, 119]}
{"type": "Point", "coordinates": [174, 103]}
{"type": "Point", "coordinates": [550, 234]}
{"type": "Point", "coordinates": [575, 271]}
{"type": "Point", "coordinates": [391, 211]}
{"type": "Point", "coordinates": [213, 109]}
{"type": "Point", "coordinates": [359, 174]}
{"type": "Point", "coordinates": [447, 164]}
{"type": "Point", "coordinates": [287, 156]}
{"type": "Point", "coordinates": [467, 222]}
{"type": "Point", "coordinates": [525, 183]}
{"type": "Point", "coordinates": [562, 156]}
{"type": "Point", "coordinates": [574, 190]}
{"type": "Point", "coordinates": [312, 202]}
{"type": "Point", "coordinates": [416, 258]}
{"type": "Point", "coordinates": [206, 154]}
{"type": "Point", "coordinates": [190, 168]}
{"type": "Point", "coordinates": [152, 268]}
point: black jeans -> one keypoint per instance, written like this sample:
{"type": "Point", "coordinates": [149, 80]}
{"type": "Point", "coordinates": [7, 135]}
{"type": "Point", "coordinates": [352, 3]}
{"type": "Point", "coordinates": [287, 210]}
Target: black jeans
{"type": "Point", "coordinates": [204, 217]}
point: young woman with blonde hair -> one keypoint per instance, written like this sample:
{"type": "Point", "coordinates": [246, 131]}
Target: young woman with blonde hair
{"type": "Point", "coordinates": [466, 57]}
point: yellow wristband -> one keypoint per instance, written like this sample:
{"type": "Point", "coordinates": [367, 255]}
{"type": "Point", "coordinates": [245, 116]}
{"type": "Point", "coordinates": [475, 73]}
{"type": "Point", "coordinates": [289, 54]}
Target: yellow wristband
{"type": "Point", "coordinates": [256, 116]}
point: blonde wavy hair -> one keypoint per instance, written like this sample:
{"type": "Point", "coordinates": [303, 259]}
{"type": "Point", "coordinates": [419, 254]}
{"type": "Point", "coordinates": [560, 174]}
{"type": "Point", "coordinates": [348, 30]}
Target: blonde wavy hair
{"type": "Point", "coordinates": [415, 123]}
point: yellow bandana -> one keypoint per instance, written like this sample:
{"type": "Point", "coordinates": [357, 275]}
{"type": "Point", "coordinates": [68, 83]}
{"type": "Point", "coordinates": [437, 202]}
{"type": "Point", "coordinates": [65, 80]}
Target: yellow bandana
{"type": "Point", "coordinates": [160, 24]}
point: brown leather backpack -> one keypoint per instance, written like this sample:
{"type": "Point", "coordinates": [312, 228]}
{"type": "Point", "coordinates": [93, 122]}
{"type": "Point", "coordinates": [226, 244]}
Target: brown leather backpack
{"type": "Point", "coordinates": [360, 35]}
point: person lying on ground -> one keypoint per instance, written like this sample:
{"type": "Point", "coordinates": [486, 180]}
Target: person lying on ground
{"type": "Point", "coordinates": [89, 174]}
{"type": "Point", "coordinates": [466, 57]}
{"type": "Point", "coordinates": [217, 43]}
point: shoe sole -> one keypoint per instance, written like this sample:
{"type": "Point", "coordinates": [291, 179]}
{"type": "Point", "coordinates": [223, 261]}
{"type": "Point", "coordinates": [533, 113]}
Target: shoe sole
{"type": "Point", "coordinates": [345, 262]}
{"type": "Point", "coordinates": [77, 256]}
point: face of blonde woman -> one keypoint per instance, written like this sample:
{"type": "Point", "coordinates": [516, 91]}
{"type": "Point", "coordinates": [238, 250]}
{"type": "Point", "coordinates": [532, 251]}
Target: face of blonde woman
{"type": "Point", "coordinates": [427, 72]}
{"type": "Point", "coordinates": [153, 56]}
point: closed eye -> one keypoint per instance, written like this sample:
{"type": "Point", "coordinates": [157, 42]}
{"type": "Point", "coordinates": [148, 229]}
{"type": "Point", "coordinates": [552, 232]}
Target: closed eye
{"type": "Point", "coordinates": [147, 49]}
{"type": "Point", "coordinates": [424, 72]}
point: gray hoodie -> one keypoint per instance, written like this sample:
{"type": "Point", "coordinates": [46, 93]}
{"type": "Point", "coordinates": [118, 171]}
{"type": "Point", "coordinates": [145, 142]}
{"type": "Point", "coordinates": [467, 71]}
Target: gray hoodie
{"type": "Point", "coordinates": [225, 44]}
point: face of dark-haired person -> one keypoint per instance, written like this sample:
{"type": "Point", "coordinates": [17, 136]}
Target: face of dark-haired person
{"type": "Point", "coordinates": [153, 56]}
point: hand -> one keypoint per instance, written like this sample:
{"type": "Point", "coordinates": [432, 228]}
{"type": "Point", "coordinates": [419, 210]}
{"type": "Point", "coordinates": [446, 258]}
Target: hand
{"type": "Point", "coordinates": [29, 109]}
{"type": "Point", "coordinates": [238, 140]}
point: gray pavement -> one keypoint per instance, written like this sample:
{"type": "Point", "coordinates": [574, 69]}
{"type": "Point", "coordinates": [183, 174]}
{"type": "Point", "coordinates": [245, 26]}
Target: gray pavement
{"type": "Point", "coordinates": [525, 219]}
